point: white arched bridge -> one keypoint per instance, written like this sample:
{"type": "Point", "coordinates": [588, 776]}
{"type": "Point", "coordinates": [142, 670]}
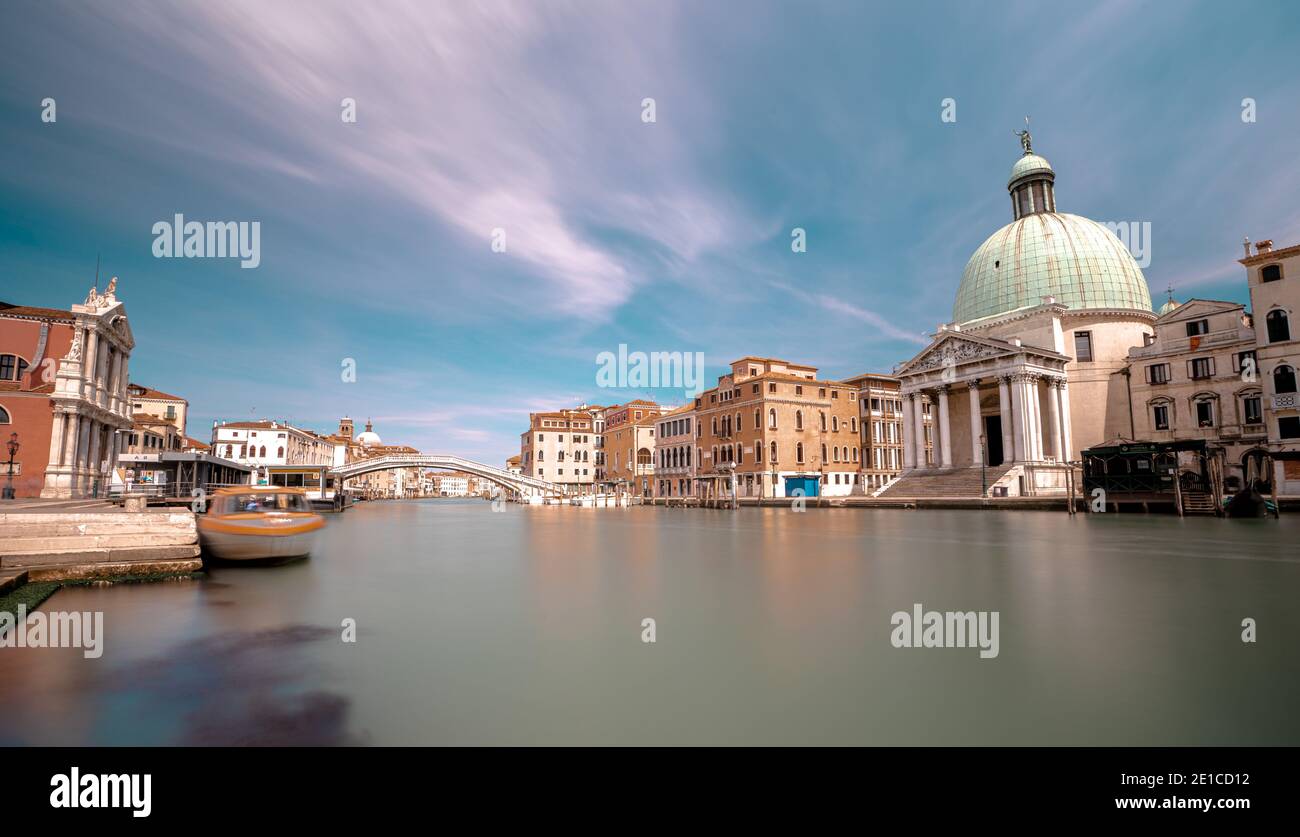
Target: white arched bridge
{"type": "Point", "coordinates": [528, 488]}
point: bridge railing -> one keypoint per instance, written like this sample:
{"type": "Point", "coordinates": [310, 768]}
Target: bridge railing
{"type": "Point", "coordinates": [414, 460]}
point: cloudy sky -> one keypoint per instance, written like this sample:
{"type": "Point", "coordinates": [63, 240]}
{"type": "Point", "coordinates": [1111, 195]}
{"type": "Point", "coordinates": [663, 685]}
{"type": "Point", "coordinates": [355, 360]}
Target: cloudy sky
{"type": "Point", "coordinates": [674, 235]}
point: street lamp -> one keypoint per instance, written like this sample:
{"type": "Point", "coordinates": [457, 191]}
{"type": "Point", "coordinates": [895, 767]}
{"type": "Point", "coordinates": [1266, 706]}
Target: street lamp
{"type": "Point", "coordinates": [984, 487]}
{"type": "Point", "coordinates": [13, 451]}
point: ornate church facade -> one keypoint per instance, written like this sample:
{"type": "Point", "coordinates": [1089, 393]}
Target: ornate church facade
{"type": "Point", "coordinates": [1031, 369]}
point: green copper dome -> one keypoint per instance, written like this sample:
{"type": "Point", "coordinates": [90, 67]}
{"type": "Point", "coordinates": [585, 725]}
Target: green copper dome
{"type": "Point", "coordinates": [1078, 261]}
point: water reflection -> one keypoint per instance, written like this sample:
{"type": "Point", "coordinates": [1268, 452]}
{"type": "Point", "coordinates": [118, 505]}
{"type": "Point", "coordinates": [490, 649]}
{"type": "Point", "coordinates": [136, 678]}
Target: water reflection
{"type": "Point", "coordinates": [773, 626]}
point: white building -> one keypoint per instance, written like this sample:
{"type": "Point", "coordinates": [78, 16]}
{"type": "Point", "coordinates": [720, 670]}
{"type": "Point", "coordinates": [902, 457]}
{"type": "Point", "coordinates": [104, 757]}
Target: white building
{"type": "Point", "coordinates": [1030, 371]}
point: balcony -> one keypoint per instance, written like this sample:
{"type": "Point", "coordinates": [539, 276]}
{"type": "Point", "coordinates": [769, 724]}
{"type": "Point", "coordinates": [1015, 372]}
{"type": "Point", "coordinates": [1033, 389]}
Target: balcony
{"type": "Point", "coordinates": [1209, 340]}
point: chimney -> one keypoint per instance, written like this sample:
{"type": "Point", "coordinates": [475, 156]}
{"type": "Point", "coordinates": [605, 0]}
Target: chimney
{"type": "Point", "coordinates": [1265, 246]}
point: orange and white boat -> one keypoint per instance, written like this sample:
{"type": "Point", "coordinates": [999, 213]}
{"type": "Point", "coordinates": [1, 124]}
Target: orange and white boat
{"type": "Point", "coordinates": [247, 523]}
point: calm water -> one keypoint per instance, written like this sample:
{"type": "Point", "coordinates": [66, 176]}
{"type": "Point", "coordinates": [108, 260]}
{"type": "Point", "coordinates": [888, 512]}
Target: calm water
{"type": "Point", "coordinates": [772, 627]}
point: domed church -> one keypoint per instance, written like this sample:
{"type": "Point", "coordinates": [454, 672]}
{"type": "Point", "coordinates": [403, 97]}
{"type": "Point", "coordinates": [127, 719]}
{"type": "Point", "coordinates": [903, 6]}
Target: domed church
{"type": "Point", "coordinates": [1030, 370]}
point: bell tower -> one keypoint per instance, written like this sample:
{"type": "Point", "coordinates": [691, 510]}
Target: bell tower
{"type": "Point", "coordinates": [345, 427]}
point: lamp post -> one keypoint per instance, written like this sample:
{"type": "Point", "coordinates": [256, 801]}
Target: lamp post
{"type": "Point", "coordinates": [984, 458]}
{"type": "Point", "coordinates": [13, 451]}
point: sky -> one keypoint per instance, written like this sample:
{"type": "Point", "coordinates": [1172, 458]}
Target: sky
{"type": "Point", "coordinates": [671, 235]}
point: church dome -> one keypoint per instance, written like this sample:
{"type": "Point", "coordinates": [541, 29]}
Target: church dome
{"type": "Point", "coordinates": [1047, 253]}
{"type": "Point", "coordinates": [1029, 164]}
{"type": "Point", "coordinates": [368, 438]}
{"type": "Point", "coordinates": [1168, 306]}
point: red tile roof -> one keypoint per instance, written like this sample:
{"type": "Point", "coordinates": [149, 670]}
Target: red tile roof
{"type": "Point", "coordinates": [142, 391]}
{"type": "Point", "coordinates": [10, 310]}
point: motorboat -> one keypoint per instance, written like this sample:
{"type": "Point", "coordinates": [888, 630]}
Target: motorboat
{"type": "Point", "coordinates": [248, 523]}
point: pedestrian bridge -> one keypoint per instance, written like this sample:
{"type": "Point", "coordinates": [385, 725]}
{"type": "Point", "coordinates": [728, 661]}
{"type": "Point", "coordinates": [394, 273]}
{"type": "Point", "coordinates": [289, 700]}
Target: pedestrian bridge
{"type": "Point", "coordinates": [526, 487]}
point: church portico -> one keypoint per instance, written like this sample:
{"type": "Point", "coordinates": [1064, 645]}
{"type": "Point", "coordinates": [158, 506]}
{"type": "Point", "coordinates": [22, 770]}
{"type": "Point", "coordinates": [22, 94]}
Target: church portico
{"type": "Point", "coordinates": [1015, 396]}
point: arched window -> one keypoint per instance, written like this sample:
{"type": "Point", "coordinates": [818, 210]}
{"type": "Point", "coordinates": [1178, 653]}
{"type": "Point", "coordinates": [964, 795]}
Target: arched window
{"type": "Point", "coordinates": [713, 452]}
{"type": "Point", "coordinates": [798, 419]}
{"type": "Point", "coordinates": [739, 427]}
{"type": "Point", "coordinates": [835, 454]}
{"type": "Point", "coordinates": [12, 368]}
{"type": "Point", "coordinates": [853, 424]}
{"type": "Point", "coordinates": [262, 453]}
{"type": "Point", "coordinates": [771, 419]}
{"type": "Point", "coordinates": [824, 459]}
{"type": "Point", "coordinates": [823, 422]}
{"type": "Point", "coordinates": [229, 451]}
{"type": "Point", "coordinates": [280, 453]}
{"type": "Point", "coordinates": [773, 452]}
{"type": "Point", "coordinates": [758, 419]}
{"type": "Point", "coordinates": [758, 452]}
{"type": "Point", "coordinates": [798, 452]}
{"type": "Point", "coordinates": [835, 424]}
{"type": "Point", "coordinates": [1283, 379]}
{"type": "Point", "coordinates": [4, 416]}
{"type": "Point", "coordinates": [643, 457]}
{"type": "Point", "coordinates": [1279, 329]}
{"type": "Point", "coordinates": [855, 454]}
{"type": "Point", "coordinates": [740, 454]}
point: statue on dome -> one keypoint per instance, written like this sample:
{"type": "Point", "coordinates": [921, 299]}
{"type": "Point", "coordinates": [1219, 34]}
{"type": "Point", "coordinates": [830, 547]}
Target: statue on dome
{"type": "Point", "coordinates": [1026, 142]}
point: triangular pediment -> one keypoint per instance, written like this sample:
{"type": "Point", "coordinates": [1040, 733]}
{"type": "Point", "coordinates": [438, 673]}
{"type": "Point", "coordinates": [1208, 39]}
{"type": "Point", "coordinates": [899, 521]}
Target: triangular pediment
{"type": "Point", "coordinates": [1195, 309]}
{"type": "Point", "coordinates": [954, 349]}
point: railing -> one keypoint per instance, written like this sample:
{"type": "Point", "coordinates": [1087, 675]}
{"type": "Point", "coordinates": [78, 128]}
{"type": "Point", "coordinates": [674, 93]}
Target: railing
{"type": "Point", "coordinates": [1208, 340]}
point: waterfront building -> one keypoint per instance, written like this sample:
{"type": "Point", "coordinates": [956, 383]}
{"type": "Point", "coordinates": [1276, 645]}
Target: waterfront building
{"type": "Point", "coordinates": [780, 429]}
{"type": "Point", "coordinates": [514, 465]}
{"type": "Point", "coordinates": [1195, 379]}
{"type": "Point", "coordinates": [880, 430]}
{"type": "Point", "coordinates": [63, 377]}
{"type": "Point", "coordinates": [266, 442]}
{"type": "Point", "coordinates": [674, 453]}
{"type": "Point", "coordinates": [171, 408]}
{"type": "Point", "coordinates": [1032, 367]}
{"type": "Point", "coordinates": [563, 446]}
{"type": "Point", "coordinates": [629, 442]}
{"type": "Point", "coordinates": [151, 434]}
{"type": "Point", "coordinates": [1274, 280]}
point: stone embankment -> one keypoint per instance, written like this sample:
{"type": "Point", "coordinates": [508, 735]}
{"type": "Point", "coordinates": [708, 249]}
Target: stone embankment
{"type": "Point", "coordinates": [58, 545]}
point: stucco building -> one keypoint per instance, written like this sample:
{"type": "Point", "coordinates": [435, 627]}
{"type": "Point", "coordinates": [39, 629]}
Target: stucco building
{"type": "Point", "coordinates": [63, 377]}
{"type": "Point", "coordinates": [1274, 280]}
{"type": "Point", "coordinates": [675, 453]}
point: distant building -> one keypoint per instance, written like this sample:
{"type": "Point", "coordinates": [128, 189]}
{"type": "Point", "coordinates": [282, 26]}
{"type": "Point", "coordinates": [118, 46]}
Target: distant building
{"type": "Point", "coordinates": [563, 446]}
{"type": "Point", "coordinates": [63, 377]}
{"type": "Point", "coordinates": [1274, 280]}
{"type": "Point", "coordinates": [265, 442]}
{"type": "Point", "coordinates": [784, 431]}
{"type": "Point", "coordinates": [171, 408]}
{"type": "Point", "coordinates": [675, 453]}
{"type": "Point", "coordinates": [152, 434]}
{"type": "Point", "coordinates": [629, 443]}
{"type": "Point", "coordinates": [880, 429]}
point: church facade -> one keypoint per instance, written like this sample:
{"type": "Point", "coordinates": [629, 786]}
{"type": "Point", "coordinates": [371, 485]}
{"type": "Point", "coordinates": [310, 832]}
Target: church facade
{"type": "Point", "coordinates": [1031, 369]}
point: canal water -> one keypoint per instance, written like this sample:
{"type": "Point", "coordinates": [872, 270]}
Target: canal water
{"type": "Point", "coordinates": [771, 626]}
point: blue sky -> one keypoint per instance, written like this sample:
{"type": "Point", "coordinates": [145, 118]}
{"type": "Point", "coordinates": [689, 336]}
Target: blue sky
{"type": "Point", "coordinates": [670, 236]}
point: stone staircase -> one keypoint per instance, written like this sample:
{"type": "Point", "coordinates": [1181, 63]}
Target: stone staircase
{"type": "Point", "coordinates": [62, 545]}
{"type": "Point", "coordinates": [938, 482]}
{"type": "Point", "coordinates": [1198, 502]}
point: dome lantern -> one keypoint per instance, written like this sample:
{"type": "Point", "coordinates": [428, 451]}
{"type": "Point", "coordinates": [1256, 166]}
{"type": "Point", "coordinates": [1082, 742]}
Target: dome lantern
{"type": "Point", "coordinates": [1032, 181]}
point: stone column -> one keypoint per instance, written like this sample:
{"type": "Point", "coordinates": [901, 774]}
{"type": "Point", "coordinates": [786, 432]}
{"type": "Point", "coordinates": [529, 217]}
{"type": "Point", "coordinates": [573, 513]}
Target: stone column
{"type": "Point", "coordinates": [909, 422]}
{"type": "Point", "coordinates": [1033, 420]}
{"type": "Point", "coordinates": [920, 432]}
{"type": "Point", "coordinates": [976, 422]}
{"type": "Point", "coordinates": [1018, 423]}
{"type": "Point", "coordinates": [1004, 407]}
{"type": "Point", "coordinates": [1053, 419]}
{"type": "Point", "coordinates": [56, 440]}
{"type": "Point", "coordinates": [102, 394]}
{"type": "Point", "coordinates": [89, 364]}
{"type": "Point", "coordinates": [1067, 443]}
{"type": "Point", "coordinates": [70, 434]}
{"type": "Point", "coordinates": [115, 384]}
{"type": "Point", "coordinates": [82, 460]}
{"type": "Point", "coordinates": [945, 429]}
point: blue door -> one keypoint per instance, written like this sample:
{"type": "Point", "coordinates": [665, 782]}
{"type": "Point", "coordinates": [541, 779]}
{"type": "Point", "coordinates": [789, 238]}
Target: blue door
{"type": "Point", "coordinates": [801, 487]}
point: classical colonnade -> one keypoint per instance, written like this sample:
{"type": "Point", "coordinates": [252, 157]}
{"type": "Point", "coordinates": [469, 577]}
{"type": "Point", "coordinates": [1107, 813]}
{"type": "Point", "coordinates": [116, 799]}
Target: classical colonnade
{"type": "Point", "coordinates": [1035, 426]}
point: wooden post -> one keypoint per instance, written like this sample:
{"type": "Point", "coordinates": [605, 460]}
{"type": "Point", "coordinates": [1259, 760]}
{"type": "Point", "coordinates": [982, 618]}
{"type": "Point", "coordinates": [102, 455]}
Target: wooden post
{"type": "Point", "coordinates": [1178, 491]}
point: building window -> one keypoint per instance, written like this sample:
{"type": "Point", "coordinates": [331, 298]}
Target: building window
{"type": "Point", "coordinates": [1241, 359]}
{"type": "Point", "coordinates": [1083, 346]}
{"type": "Point", "coordinates": [1158, 374]}
{"type": "Point", "coordinates": [1205, 413]}
{"type": "Point", "coordinates": [771, 418]}
{"type": "Point", "coordinates": [798, 419]}
{"type": "Point", "coordinates": [1283, 379]}
{"type": "Point", "coordinates": [772, 451]}
{"type": "Point", "coordinates": [771, 387]}
{"type": "Point", "coordinates": [280, 452]}
{"type": "Point", "coordinates": [1288, 427]}
{"type": "Point", "coordinates": [798, 390]}
{"type": "Point", "coordinates": [1160, 415]}
{"type": "Point", "coordinates": [1198, 327]}
{"type": "Point", "coordinates": [798, 452]}
{"type": "Point", "coordinates": [1252, 410]}
{"type": "Point", "coordinates": [1279, 329]}
{"type": "Point", "coordinates": [1270, 273]}
{"type": "Point", "coordinates": [12, 368]}
{"type": "Point", "coordinates": [1201, 368]}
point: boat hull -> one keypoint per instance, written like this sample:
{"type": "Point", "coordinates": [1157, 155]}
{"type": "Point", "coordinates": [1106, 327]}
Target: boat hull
{"type": "Point", "coordinates": [253, 541]}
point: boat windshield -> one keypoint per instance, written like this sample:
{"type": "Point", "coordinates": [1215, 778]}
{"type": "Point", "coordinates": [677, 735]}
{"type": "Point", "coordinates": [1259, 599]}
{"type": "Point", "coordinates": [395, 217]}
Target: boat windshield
{"type": "Point", "coordinates": [267, 502]}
